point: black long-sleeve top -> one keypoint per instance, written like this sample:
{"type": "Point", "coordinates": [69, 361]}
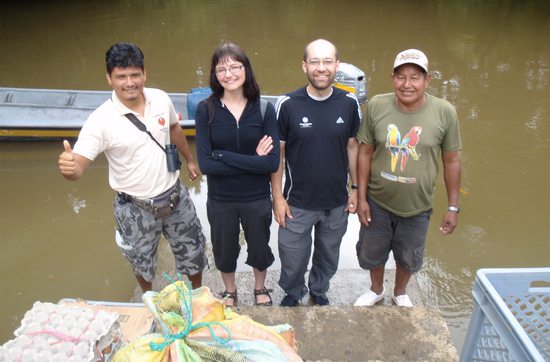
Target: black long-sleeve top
{"type": "Point", "coordinates": [226, 151]}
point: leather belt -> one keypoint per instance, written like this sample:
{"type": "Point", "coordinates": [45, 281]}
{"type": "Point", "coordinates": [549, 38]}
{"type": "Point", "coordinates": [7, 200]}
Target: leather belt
{"type": "Point", "coordinates": [160, 206]}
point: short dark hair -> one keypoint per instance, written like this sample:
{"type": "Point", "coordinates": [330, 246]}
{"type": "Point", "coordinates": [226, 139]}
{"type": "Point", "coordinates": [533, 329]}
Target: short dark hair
{"type": "Point", "coordinates": [251, 90]}
{"type": "Point", "coordinates": [124, 55]}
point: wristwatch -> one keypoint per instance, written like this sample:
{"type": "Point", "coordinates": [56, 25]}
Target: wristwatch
{"type": "Point", "coordinates": [354, 187]}
{"type": "Point", "coordinates": [454, 208]}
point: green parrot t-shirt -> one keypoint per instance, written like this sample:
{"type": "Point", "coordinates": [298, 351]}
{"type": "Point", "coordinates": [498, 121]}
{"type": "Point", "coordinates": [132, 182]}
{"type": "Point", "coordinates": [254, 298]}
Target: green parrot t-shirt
{"type": "Point", "coordinates": [408, 147]}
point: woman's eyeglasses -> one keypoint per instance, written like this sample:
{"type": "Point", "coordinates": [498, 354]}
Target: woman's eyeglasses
{"type": "Point", "coordinates": [232, 69]}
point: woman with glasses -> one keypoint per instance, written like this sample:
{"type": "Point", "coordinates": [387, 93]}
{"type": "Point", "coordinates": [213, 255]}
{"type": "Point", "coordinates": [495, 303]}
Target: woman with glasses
{"type": "Point", "coordinates": [237, 149]}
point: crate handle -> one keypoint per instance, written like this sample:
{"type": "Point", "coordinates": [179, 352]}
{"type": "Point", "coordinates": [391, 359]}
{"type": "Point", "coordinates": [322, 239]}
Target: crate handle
{"type": "Point", "coordinates": [539, 286]}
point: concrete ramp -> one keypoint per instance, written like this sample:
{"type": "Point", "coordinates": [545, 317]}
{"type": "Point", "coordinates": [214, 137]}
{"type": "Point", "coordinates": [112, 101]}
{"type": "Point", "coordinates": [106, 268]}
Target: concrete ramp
{"type": "Point", "coordinates": [380, 333]}
{"type": "Point", "coordinates": [339, 332]}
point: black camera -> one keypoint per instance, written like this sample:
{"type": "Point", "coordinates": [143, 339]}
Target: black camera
{"type": "Point", "coordinates": [172, 158]}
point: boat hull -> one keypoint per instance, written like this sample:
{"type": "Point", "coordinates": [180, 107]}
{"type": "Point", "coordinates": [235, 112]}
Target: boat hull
{"type": "Point", "coordinates": [16, 134]}
{"type": "Point", "coordinates": [51, 114]}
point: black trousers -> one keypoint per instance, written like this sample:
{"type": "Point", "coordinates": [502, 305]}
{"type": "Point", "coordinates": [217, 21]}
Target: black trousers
{"type": "Point", "coordinates": [226, 219]}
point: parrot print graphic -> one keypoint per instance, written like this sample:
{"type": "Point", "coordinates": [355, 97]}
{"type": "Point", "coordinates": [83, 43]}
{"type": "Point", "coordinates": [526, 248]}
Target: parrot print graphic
{"type": "Point", "coordinates": [408, 145]}
{"type": "Point", "coordinates": [393, 141]}
{"type": "Point", "coordinates": [403, 147]}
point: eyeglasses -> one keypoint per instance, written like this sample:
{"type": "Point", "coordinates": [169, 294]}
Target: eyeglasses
{"type": "Point", "coordinates": [413, 79]}
{"type": "Point", "coordinates": [232, 69]}
{"type": "Point", "coordinates": [317, 62]}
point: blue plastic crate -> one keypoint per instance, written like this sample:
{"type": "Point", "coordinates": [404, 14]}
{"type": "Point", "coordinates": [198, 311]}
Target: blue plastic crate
{"type": "Point", "coordinates": [511, 316]}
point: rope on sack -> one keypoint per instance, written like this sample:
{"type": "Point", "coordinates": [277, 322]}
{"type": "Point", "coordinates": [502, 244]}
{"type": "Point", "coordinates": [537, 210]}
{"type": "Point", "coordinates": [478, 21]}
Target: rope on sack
{"type": "Point", "coordinates": [187, 301]}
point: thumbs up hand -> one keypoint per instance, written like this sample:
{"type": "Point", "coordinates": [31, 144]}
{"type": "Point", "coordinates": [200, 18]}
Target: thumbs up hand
{"type": "Point", "coordinates": [68, 163]}
{"type": "Point", "coordinates": [67, 146]}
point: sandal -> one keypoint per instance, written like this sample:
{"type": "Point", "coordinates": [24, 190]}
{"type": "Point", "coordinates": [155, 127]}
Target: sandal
{"type": "Point", "coordinates": [229, 295]}
{"type": "Point", "coordinates": [263, 291]}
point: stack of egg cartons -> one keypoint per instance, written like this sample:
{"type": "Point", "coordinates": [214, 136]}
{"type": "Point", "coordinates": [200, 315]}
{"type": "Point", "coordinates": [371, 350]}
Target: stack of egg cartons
{"type": "Point", "coordinates": [51, 332]}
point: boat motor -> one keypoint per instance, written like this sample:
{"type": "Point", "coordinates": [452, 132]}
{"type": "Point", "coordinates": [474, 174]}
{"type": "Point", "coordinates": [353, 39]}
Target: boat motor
{"type": "Point", "coordinates": [352, 79]}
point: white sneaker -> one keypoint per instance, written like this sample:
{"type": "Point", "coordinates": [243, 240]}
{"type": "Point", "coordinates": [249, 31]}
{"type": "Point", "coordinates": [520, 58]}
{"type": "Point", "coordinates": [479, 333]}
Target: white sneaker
{"type": "Point", "coordinates": [402, 301]}
{"type": "Point", "coordinates": [369, 298]}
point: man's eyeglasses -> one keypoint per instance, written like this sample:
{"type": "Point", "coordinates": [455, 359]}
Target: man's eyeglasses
{"type": "Point", "coordinates": [415, 78]}
{"type": "Point", "coordinates": [232, 69]}
{"type": "Point", "coordinates": [317, 62]}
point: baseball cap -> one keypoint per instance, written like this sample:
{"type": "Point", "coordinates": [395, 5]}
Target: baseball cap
{"type": "Point", "coordinates": [412, 56]}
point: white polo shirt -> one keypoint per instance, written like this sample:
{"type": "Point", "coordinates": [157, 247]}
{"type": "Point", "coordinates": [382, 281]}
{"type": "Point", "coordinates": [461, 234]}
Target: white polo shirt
{"type": "Point", "coordinates": [137, 165]}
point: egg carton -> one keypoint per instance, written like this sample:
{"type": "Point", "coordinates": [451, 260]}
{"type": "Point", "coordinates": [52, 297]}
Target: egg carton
{"type": "Point", "coordinates": [51, 332]}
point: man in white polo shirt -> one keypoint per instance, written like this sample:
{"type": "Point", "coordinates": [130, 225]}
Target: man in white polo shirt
{"type": "Point", "coordinates": [134, 129]}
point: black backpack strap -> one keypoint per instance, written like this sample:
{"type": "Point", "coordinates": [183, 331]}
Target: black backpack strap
{"type": "Point", "coordinates": [141, 126]}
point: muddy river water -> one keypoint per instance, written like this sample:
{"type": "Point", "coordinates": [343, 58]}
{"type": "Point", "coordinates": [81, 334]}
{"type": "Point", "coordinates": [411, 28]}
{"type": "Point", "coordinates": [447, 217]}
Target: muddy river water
{"type": "Point", "coordinates": [491, 59]}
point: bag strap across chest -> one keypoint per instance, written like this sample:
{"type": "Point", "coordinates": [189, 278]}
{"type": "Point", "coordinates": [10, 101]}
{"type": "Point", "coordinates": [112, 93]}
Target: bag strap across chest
{"type": "Point", "coordinates": [141, 126]}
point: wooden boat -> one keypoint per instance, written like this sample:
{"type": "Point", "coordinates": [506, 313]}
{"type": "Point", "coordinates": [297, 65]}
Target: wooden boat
{"type": "Point", "coordinates": [28, 114]}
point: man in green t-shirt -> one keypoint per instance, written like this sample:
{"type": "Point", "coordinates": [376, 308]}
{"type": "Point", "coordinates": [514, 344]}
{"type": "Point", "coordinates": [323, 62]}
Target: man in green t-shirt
{"type": "Point", "coordinates": [402, 137]}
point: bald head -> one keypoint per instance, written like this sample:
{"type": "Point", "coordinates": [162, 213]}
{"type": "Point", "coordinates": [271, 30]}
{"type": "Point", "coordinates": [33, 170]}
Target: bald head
{"type": "Point", "coordinates": [320, 46]}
